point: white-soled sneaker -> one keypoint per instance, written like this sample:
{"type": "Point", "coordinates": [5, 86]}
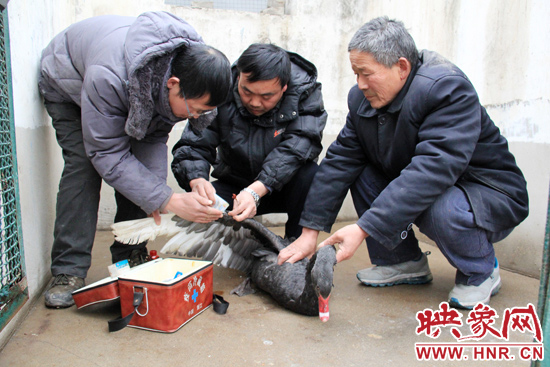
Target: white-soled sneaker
{"type": "Point", "coordinates": [467, 296]}
{"type": "Point", "coordinates": [409, 272]}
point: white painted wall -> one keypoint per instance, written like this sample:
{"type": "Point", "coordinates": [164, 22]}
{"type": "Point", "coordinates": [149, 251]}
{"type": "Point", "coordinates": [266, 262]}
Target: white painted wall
{"type": "Point", "coordinates": [502, 45]}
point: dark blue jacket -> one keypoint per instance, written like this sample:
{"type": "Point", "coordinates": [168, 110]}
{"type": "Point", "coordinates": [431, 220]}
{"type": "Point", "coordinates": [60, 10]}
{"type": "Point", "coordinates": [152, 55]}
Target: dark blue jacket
{"type": "Point", "coordinates": [270, 148]}
{"type": "Point", "coordinates": [433, 135]}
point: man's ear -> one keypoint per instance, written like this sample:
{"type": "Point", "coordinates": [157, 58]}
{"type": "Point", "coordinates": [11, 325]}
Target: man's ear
{"type": "Point", "coordinates": [285, 87]}
{"type": "Point", "coordinates": [172, 82]}
{"type": "Point", "coordinates": [404, 67]}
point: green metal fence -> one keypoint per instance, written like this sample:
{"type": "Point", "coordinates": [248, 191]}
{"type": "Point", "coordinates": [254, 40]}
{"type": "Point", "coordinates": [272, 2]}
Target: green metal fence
{"type": "Point", "coordinates": [13, 285]}
{"type": "Point", "coordinates": [544, 291]}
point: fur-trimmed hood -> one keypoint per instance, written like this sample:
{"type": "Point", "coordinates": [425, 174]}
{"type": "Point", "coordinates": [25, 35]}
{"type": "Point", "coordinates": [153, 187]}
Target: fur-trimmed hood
{"type": "Point", "coordinates": [148, 53]}
{"type": "Point", "coordinates": [133, 56]}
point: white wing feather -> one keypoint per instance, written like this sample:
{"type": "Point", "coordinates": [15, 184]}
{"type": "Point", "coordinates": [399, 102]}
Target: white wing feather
{"type": "Point", "coordinates": [214, 241]}
{"type": "Point", "coordinates": [132, 232]}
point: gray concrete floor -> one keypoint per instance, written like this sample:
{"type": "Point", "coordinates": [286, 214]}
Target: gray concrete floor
{"type": "Point", "coordinates": [367, 327]}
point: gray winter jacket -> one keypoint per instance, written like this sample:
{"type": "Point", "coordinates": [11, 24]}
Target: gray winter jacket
{"type": "Point", "coordinates": [115, 68]}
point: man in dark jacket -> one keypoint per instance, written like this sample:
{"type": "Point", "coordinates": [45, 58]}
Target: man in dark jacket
{"type": "Point", "coordinates": [265, 140]}
{"type": "Point", "coordinates": [417, 148]}
{"type": "Point", "coordinates": [114, 87]}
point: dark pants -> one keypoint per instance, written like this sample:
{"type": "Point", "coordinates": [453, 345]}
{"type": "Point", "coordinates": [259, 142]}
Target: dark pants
{"type": "Point", "coordinates": [290, 199]}
{"type": "Point", "coordinates": [126, 210]}
{"type": "Point", "coordinates": [449, 222]}
{"type": "Point", "coordinates": [78, 197]}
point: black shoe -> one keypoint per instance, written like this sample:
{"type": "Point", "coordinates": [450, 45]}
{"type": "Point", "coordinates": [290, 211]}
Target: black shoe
{"type": "Point", "coordinates": [138, 256]}
{"type": "Point", "coordinates": [60, 292]}
{"type": "Point", "coordinates": [135, 254]}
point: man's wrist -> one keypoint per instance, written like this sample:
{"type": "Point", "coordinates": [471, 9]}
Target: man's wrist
{"type": "Point", "coordinates": [195, 181]}
{"type": "Point", "coordinates": [259, 188]}
{"type": "Point", "coordinates": [254, 194]}
{"type": "Point", "coordinates": [311, 233]}
{"type": "Point", "coordinates": [166, 202]}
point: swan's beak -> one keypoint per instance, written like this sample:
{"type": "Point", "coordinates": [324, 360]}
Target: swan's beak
{"type": "Point", "coordinates": [323, 308]}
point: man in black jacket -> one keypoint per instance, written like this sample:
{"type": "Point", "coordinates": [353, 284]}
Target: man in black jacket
{"type": "Point", "coordinates": [417, 148]}
{"type": "Point", "coordinates": [265, 140]}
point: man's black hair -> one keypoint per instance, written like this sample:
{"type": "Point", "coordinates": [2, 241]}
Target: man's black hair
{"type": "Point", "coordinates": [265, 61]}
{"type": "Point", "coordinates": [202, 70]}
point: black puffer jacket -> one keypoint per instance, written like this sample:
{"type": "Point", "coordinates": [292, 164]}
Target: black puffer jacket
{"type": "Point", "coordinates": [433, 135]}
{"type": "Point", "coordinates": [269, 148]}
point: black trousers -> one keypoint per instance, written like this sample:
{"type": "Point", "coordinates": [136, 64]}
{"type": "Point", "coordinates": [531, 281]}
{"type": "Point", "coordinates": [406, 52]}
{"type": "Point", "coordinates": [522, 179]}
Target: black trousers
{"type": "Point", "coordinates": [78, 197]}
{"type": "Point", "coordinates": [290, 199]}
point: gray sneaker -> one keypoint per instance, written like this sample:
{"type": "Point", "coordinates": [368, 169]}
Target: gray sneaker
{"type": "Point", "coordinates": [467, 296]}
{"type": "Point", "coordinates": [409, 272]}
{"type": "Point", "coordinates": [60, 292]}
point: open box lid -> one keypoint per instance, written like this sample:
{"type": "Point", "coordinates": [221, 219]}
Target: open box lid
{"type": "Point", "coordinates": [165, 272]}
{"type": "Point", "coordinates": [103, 290]}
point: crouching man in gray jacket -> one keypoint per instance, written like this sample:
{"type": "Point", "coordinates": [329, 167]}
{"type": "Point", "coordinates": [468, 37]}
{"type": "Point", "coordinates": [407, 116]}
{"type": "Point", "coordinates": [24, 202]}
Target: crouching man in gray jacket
{"type": "Point", "coordinates": [114, 87]}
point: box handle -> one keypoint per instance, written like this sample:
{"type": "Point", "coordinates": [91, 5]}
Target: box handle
{"type": "Point", "coordinates": [144, 294]}
{"type": "Point", "coordinates": [121, 322]}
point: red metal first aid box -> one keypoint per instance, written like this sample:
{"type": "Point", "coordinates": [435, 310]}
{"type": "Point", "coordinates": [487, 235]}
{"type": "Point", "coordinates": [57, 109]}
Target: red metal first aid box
{"type": "Point", "coordinates": [174, 292]}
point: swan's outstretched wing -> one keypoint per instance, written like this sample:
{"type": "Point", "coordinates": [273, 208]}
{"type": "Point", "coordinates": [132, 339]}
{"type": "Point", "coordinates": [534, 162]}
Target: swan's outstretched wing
{"type": "Point", "coordinates": [225, 242]}
{"type": "Point", "coordinates": [218, 241]}
{"type": "Point", "coordinates": [260, 232]}
{"type": "Point", "coordinates": [132, 232]}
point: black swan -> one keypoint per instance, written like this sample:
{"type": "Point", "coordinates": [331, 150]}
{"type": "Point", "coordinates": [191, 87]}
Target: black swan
{"type": "Point", "coordinates": [303, 287]}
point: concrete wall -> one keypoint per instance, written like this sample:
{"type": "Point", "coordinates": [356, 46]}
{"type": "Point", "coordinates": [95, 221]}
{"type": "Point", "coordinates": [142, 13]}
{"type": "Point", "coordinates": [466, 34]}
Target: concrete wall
{"type": "Point", "coordinates": [502, 45]}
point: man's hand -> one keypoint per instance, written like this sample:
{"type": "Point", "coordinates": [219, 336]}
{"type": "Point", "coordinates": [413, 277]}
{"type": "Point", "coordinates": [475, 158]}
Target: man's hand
{"type": "Point", "coordinates": [156, 216]}
{"type": "Point", "coordinates": [191, 206]}
{"type": "Point", "coordinates": [204, 188]}
{"type": "Point", "coordinates": [348, 238]}
{"type": "Point", "coordinates": [304, 246]}
{"type": "Point", "coordinates": [244, 207]}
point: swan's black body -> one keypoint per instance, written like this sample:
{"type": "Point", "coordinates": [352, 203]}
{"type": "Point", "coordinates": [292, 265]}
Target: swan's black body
{"type": "Point", "coordinates": [296, 286]}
